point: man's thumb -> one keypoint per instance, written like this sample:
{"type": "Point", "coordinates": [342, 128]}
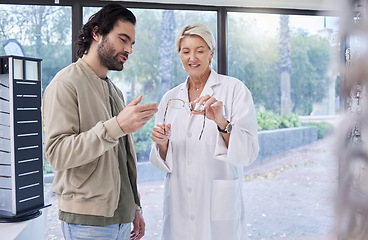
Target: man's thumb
{"type": "Point", "coordinates": [135, 101]}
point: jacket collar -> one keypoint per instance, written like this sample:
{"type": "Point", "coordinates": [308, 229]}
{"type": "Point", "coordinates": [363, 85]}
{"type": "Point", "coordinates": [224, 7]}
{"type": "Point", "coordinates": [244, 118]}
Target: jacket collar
{"type": "Point", "coordinates": [80, 62]}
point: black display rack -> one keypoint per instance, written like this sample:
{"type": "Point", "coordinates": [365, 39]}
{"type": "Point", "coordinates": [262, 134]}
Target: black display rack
{"type": "Point", "coordinates": [21, 156]}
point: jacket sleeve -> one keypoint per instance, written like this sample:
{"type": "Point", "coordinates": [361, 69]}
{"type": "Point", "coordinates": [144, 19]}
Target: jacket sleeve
{"type": "Point", "coordinates": [155, 159]}
{"type": "Point", "coordinates": [243, 143]}
{"type": "Point", "coordinates": [65, 145]}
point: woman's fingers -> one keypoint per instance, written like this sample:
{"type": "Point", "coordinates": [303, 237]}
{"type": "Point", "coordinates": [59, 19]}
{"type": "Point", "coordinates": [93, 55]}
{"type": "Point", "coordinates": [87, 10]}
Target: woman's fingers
{"type": "Point", "coordinates": [161, 133]}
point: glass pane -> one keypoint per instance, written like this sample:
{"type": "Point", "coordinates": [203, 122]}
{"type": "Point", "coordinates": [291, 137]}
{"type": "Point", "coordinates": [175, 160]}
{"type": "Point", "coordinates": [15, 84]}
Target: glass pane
{"type": "Point", "coordinates": [154, 67]}
{"type": "Point", "coordinates": [254, 57]}
{"type": "Point", "coordinates": [37, 31]}
{"type": "Point", "coordinates": [18, 69]}
{"type": "Point", "coordinates": [31, 70]}
{"type": "Point", "coordinates": [285, 62]}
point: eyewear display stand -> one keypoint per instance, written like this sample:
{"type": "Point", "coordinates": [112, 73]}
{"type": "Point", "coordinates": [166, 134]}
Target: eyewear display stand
{"type": "Point", "coordinates": [21, 156]}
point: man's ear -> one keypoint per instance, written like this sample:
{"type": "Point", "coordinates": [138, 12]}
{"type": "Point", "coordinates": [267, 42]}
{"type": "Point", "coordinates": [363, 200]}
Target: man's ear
{"type": "Point", "coordinates": [95, 34]}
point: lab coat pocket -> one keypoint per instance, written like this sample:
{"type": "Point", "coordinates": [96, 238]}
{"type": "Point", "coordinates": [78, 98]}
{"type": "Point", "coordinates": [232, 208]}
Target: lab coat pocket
{"type": "Point", "coordinates": [80, 174]}
{"type": "Point", "coordinates": [226, 200]}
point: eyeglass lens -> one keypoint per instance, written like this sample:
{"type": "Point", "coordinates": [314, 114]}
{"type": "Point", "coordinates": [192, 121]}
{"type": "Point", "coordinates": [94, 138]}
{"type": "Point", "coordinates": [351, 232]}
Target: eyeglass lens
{"type": "Point", "coordinates": [178, 103]}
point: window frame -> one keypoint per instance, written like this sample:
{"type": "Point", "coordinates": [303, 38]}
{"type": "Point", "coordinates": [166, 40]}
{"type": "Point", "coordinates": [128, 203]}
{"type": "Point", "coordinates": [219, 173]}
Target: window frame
{"type": "Point", "coordinates": [222, 11]}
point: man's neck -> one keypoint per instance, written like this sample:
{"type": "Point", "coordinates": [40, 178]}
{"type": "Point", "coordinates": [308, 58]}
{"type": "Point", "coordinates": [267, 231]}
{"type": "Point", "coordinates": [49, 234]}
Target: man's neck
{"type": "Point", "coordinates": [94, 63]}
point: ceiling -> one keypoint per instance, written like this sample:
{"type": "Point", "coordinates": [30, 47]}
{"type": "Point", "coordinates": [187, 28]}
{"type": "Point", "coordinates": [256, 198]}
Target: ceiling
{"type": "Point", "coordinates": [322, 5]}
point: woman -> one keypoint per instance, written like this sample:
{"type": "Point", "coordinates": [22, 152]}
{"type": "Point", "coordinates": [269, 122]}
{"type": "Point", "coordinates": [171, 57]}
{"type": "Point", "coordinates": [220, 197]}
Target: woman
{"type": "Point", "coordinates": [204, 157]}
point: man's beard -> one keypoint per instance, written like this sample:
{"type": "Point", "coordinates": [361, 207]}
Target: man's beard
{"type": "Point", "coordinates": [107, 57]}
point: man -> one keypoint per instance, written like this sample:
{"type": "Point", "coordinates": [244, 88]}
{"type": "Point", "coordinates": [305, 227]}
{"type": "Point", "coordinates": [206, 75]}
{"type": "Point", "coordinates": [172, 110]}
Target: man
{"type": "Point", "coordinates": [88, 134]}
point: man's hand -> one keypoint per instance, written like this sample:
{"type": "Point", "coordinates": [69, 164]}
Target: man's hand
{"type": "Point", "coordinates": [134, 116]}
{"type": "Point", "coordinates": [139, 226]}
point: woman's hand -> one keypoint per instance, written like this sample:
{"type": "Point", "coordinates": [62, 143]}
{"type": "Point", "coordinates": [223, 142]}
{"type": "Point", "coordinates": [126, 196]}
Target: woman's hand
{"type": "Point", "coordinates": [214, 109]}
{"type": "Point", "coordinates": [160, 135]}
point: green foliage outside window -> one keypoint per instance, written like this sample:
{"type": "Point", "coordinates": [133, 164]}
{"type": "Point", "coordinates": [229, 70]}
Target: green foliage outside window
{"type": "Point", "coordinates": [324, 128]}
{"type": "Point", "coordinates": [143, 141]}
{"type": "Point", "coordinates": [268, 120]}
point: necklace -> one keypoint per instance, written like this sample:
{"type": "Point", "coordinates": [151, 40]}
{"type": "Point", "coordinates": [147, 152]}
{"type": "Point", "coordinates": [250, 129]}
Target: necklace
{"type": "Point", "coordinates": [198, 88]}
{"type": "Point", "coordinates": [201, 87]}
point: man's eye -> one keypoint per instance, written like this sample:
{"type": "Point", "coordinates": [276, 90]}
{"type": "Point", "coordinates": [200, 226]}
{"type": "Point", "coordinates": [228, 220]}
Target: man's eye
{"type": "Point", "coordinates": [122, 39]}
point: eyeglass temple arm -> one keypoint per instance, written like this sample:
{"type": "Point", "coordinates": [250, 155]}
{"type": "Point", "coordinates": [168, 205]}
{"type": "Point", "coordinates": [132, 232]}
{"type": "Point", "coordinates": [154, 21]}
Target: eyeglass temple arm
{"type": "Point", "coordinates": [204, 123]}
{"type": "Point", "coordinates": [167, 106]}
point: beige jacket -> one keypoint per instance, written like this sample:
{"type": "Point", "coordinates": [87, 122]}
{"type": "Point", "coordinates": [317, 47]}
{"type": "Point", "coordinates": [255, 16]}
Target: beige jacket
{"type": "Point", "coordinates": [81, 141]}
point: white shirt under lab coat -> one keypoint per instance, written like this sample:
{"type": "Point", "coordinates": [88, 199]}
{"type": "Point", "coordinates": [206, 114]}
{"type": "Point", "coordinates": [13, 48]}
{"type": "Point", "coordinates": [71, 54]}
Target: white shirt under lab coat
{"type": "Point", "coordinates": [203, 187]}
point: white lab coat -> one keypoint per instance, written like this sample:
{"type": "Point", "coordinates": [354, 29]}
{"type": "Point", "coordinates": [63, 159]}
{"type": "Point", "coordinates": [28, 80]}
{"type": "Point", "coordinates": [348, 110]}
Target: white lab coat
{"type": "Point", "coordinates": [203, 187]}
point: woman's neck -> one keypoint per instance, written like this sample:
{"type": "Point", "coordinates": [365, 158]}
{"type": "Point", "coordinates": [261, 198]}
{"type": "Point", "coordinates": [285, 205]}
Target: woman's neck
{"type": "Point", "coordinates": [197, 82]}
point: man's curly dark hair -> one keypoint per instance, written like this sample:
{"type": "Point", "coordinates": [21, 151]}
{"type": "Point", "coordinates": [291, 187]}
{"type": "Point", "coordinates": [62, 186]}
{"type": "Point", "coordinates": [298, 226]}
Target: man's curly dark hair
{"type": "Point", "coordinates": [104, 20]}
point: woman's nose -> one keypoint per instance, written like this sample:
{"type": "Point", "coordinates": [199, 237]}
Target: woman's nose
{"type": "Point", "coordinates": [192, 56]}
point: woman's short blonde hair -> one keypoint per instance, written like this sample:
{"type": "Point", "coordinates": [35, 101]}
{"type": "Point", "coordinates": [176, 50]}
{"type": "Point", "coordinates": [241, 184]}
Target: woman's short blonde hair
{"type": "Point", "coordinates": [196, 29]}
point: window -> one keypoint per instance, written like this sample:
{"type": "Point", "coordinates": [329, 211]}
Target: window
{"type": "Point", "coordinates": [43, 32]}
{"type": "Point", "coordinates": [256, 43]}
{"type": "Point", "coordinates": [284, 60]}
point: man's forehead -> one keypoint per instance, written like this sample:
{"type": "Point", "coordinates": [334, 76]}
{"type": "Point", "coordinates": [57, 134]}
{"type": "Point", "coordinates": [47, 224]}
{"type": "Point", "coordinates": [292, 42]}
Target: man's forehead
{"type": "Point", "coordinates": [124, 28]}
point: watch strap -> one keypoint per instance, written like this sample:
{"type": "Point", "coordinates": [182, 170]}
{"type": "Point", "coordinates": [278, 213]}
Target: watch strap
{"type": "Point", "coordinates": [223, 130]}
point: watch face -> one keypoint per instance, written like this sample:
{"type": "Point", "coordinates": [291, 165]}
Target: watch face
{"type": "Point", "coordinates": [229, 127]}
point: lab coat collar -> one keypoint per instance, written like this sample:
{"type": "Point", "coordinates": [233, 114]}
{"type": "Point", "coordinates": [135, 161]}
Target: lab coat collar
{"type": "Point", "coordinates": [212, 81]}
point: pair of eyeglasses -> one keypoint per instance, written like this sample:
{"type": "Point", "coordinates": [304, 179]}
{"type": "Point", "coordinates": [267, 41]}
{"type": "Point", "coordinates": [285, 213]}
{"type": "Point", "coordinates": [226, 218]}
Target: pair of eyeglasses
{"type": "Point", "coordinates": [177, 103]}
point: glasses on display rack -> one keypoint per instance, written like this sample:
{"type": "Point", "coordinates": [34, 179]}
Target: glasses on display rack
{"type": "Point", "coordinates": [177, 103]}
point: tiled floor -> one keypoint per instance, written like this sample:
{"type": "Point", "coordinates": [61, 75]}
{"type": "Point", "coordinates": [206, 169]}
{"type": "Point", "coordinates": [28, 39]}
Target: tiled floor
{"type": "Point", "coordinates": [290, 196]}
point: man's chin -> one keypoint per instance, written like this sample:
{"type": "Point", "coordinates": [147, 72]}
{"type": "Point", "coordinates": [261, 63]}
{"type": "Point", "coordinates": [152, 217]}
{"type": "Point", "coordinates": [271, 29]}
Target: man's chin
{"type": "Point", "coordinates": [117, 68]}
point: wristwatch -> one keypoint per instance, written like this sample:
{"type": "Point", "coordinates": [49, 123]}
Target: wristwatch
{"type": "Point", "coordinates": [227, 129]}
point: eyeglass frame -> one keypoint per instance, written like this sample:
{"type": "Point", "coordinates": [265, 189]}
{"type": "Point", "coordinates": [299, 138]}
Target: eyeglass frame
{"type": "Point", "coordinates": [190, 108]}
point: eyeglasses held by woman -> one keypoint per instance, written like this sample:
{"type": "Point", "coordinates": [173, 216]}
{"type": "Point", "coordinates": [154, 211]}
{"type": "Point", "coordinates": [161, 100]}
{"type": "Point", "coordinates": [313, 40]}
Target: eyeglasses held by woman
{"type": "Point", "coordinates": [177, 103]}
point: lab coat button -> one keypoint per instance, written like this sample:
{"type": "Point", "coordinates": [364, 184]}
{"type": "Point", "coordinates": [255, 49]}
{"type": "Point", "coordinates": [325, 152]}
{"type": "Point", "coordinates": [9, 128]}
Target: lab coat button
{"type": "Point", "coordinates": [189, 134]}
{"type": "Point", "coordinates": [189, 189]}
{"type": "Point", "coordinates": [192, 217]}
